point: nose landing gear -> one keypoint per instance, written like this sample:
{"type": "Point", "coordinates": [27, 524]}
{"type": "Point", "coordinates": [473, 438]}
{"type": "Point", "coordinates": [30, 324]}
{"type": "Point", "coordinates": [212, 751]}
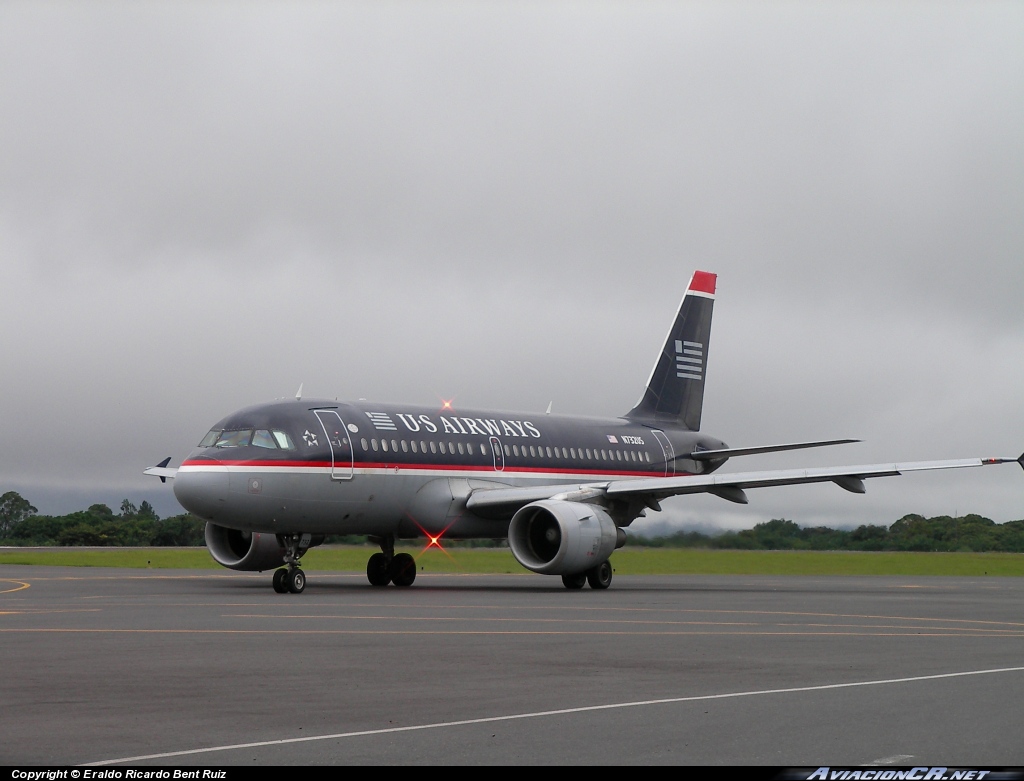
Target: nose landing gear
{"type": "Point", "coordinates": [292, 579]}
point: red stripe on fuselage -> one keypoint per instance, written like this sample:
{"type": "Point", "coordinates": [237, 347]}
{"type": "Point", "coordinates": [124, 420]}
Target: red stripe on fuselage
{"type": "Point", "coordinates": [430, 467]}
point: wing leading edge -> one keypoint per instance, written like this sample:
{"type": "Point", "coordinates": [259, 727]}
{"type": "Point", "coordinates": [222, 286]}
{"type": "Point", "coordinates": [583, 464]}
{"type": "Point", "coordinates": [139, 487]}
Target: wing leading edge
{"type": "Point", "coordinates": [729, 486]}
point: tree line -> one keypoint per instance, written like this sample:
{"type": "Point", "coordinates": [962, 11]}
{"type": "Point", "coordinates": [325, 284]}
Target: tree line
{"type": "Point", "coordinates": [910, 533]}
{"type": "Point", "coordinates": [20, 524]}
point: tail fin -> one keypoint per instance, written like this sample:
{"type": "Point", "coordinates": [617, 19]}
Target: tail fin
{"type": "Point", "coordinates": [675, 391]}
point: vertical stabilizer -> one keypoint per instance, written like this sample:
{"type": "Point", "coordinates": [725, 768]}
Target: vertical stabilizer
{"type": "Point", "coordinates": [675, 391]}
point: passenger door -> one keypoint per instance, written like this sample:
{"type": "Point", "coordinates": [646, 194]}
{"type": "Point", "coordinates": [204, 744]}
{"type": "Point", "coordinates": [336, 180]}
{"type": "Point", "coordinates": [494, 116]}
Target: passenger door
{"type": "Point", "coordinates": [342, 457]}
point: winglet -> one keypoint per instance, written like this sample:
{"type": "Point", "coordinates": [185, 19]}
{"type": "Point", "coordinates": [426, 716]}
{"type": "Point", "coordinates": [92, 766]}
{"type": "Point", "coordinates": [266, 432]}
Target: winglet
{"type": "Point", "coordinates": [1021, 460]}
{"type": "Point", "coordinates": [161, 470]}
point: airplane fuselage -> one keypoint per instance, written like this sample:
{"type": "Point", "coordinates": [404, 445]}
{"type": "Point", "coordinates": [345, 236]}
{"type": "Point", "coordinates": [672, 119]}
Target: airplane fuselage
{"type": "Point", "coordinates": [324, 467]}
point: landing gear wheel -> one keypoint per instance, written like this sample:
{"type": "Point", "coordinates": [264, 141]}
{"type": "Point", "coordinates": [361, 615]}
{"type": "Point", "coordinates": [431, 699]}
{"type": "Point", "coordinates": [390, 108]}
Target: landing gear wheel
{"type": "Point", "coordinates": [403, 570]}
{"type": "Point", "coordinates": [579, 580]}
{"type": "Point", "coordinates": [281, 581]}
{"type": "Point", "coordinates": [296, 581]}
{"type": "Point", "coordinates": [377, 571]}
{"type": "Point", "coordinates": [600, 576]}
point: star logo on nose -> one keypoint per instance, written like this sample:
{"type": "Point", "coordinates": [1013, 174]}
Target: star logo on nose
{"type": "Point", "coordinates": [309, 438]}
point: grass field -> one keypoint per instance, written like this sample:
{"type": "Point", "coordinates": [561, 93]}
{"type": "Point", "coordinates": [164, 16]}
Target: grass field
{"type": "Point", "coordinates": [629, 561]}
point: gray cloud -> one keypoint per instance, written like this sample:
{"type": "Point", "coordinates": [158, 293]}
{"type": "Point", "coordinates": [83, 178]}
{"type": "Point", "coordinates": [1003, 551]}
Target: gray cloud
{"type": "Point", "coordinates": [202, 206]}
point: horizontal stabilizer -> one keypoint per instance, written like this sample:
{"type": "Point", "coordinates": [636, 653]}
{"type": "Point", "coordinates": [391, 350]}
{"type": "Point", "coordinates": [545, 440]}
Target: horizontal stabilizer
{"type": "Point", "coordinates": [161, 470]}
{"type": "Point", "coordinates": [729, 452]}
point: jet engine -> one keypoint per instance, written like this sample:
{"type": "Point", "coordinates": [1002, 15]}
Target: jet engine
{"type": "Point", "coordinates": [557, 537]}
{"type": "Point", "coordinates": [248, 551]}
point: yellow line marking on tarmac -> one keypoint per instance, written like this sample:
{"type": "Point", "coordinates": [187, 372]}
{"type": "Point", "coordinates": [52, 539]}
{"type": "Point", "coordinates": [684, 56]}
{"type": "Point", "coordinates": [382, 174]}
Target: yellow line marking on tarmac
{"type": "Point", "coordinates": [494, 619]}
{"type": "Point", "coordinates": [567, 607]}
{"type": "Point", "coordinates": [33, 611]}
{"type": "Point", "coordinates": [994, 632]}
{"type": "Point", "coordinates": [22, 585]}
{"type": "Point", "coordinates": [575, 608]}
{"type": "Point", "coordinates": [453, 632]}
{"type": "Point", "coordinates": [558, 712]}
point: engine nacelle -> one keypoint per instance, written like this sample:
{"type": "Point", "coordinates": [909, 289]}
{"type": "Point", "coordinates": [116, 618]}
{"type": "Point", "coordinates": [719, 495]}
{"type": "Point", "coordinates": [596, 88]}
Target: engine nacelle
{"type": "Point", "coordinates": [556, 537]}
{"type": "Point", "coordinates": [248, 551]}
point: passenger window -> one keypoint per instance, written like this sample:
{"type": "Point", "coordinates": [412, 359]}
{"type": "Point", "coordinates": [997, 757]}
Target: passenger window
{"type": "Point", "coordinates": [405, 446]}
{"type": "Point", "coordinates": [440, 445]}
{"type": "Point", "coordinates": [414, 448]}
{"type": "Point", "coordinates": [433, 447]}
{"type": "Point", "coordinates": [648, 457]}
{"type": "Point", "coordinates": [461, 451]}
{"type": "Point", "coordinates": [572, 452]}
{"type": "Point", "coordinates": [423, 446]}
{"type": "Point", "coordinates": [515, 449]}
{"type": "Point", "coordinates": [384, 445]}
{"type": "Point", "coordinates": [507, 452]}
{"type": "Point", "coordinates": [451, 448]}
{"type": "Point", "coordinates": [262, 438]}
{"type": "Point", "coordinates": [363, 443]}
{"type": "Point", "coordinates": [394, 445]}
{"type": "Point", "coordinates": [373, 443]}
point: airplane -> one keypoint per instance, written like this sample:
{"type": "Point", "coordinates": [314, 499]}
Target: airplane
{"type": "Point", "coordinates": [272, 480]}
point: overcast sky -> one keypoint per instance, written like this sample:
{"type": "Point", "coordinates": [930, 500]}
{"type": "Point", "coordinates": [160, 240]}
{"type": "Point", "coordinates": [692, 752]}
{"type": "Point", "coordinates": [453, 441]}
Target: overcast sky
{"type": "Point", "coordinates": [203, 205]}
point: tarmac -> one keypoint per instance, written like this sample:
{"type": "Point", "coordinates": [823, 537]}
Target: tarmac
{"type": "Point", "coordinates": [206, 668]}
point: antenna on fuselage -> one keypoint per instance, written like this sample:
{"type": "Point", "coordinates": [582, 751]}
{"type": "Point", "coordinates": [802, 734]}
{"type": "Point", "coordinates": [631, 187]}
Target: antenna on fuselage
{"type": "Point", "coordinates": [548, 410]}
{"type": "Point", "coordinates": [298, 393]}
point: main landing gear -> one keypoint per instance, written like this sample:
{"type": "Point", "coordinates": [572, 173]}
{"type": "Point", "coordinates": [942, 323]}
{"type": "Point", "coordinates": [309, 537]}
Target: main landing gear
{"type": "Point", "coordinates": [599, 577]}
{"type": "Point", "coordinates": [290, 578]}
{"type": "Point", "coordinates": [388, 567]}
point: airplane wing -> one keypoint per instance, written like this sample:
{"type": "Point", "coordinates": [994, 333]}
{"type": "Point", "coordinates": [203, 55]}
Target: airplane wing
{"type": "Point", "coordinates": [726, 486]}
{"type": "Point", "coordinates": [161, 470]}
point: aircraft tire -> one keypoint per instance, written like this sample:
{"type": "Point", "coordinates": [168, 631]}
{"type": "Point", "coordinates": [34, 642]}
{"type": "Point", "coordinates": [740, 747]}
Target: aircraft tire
{"type": "Point", "coordinates": [296, 581]}
{"type": "Point", "coordinates": [577, 581]}
{"type": "Point", "coordinates": [377, 571]}
{"type": "Point", "coordinates": [281, 581]}
{"type": "Point", "coordinates": [403, 570]}
{"type": "Point", "coordinates": [600, 577]}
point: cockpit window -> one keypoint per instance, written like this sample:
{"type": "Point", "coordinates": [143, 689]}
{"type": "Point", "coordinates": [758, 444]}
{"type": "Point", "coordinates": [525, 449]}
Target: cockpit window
{"type": "Point", "coordinates": [262, 438]}
{"type": "Point", "coordinates": [283, 440]}
{"type": "Point", "coordinates": [234, 438]}
{"type": "Point", "coordinates": [210, 438]}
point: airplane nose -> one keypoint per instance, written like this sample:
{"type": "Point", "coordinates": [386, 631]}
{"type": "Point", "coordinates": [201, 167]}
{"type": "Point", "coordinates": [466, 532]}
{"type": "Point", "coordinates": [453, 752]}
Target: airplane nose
{"type": "Point", "coordinates": [202, 490]}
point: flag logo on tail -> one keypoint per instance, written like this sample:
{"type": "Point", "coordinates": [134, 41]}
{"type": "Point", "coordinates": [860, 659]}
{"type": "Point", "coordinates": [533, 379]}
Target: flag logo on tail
{"type": "Point", "coordinates": [689, 360]}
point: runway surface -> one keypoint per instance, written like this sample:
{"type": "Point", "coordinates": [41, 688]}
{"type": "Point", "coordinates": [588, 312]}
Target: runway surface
{"type": "Point", "coordinates": [204, 668]}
